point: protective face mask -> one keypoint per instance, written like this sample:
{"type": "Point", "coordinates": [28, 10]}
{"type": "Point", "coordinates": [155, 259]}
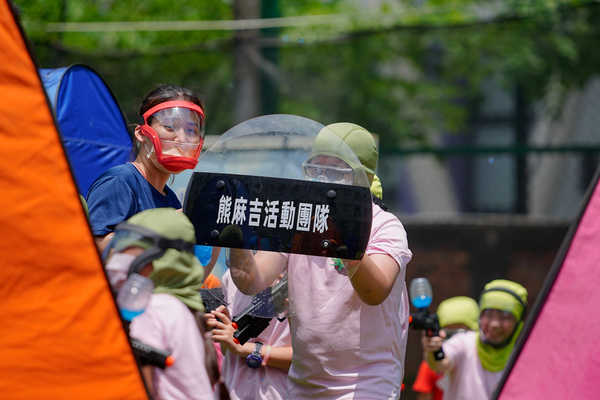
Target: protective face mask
{"type": "Point", "coordinates": [177, 134]}
{"type": "Point", "coordinates": [117, 269]}
{"type": "Point", "coordinates": [176, 149]}
{"type": "Point", "coordinates": [172, 158]}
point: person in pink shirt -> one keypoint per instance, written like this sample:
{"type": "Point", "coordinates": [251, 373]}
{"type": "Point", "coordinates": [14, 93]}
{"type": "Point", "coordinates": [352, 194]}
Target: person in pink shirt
{"type": "Point", "coordinates": [456, 314]}
{"type": "Point", "coordinates": [348, 330]}
{"type": "Point", "coordinates": [267, 378]}
{"type": "Point", "coordinates": [474, 361]}
{"type": "Point", "coordinates": [159, 243]}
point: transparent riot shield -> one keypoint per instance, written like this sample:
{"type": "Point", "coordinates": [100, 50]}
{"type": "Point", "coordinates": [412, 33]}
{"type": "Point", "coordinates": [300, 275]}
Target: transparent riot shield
{"type": "Point", "coordinates": [290, 201]}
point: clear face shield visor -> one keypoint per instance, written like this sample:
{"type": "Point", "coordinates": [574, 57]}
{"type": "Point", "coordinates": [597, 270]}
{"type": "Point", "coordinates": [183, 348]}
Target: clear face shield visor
{"type": "Point", "coordinates": [176, 129]}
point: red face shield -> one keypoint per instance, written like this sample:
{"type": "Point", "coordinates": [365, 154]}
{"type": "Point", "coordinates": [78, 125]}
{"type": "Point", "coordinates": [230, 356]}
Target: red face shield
{"type": "Point", "coordinates": [176, 130]}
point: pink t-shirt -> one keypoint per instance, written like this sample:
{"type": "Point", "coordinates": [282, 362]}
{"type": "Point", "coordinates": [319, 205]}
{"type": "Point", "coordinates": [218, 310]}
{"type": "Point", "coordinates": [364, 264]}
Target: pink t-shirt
{"type": "Point", "coordinates": [467, 380]}
{"type": "Point", "coordinates": [167, 324]}
{"type": "Point", "coordinates": [245, 383]}
{"type": "Point", "coordinates": [343, 348]}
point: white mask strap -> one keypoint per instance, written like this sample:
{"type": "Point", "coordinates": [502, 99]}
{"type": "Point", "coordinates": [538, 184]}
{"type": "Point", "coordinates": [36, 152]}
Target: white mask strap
{"type": "Point", "coordinates": [148, 152]}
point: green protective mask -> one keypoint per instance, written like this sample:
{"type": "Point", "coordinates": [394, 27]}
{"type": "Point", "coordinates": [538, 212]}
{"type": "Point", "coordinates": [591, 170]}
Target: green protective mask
{"type": "Point", "coordinates": [459, 310]}
{"type": "Point", "coordinates": [350, 143]}
{"type": "Point", "coordinates": [376, 188]}
{"type": "Point", "coordinates": [178, 273]}
{"type": "Point", "coordinates": [493, 358]}
{"type": "Point", "coordinates": [503, 295]}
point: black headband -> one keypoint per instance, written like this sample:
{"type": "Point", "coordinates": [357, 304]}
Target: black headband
{"type": "Point", "coordinates": [161, 245]}
{"type": "Point", "coordinates": [501, 289]}
{"type": "Point", "coordinates": [158, 239]}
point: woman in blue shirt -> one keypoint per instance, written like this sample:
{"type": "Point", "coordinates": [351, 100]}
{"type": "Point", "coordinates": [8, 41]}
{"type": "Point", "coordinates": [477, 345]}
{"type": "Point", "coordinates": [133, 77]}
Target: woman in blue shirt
{"type": "Point", "coordinates": [168, 140]}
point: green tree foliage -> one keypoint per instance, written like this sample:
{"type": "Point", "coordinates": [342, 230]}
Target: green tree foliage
{"type": "Point", "coordinates": [408, 72]}
{"type": "Point", "coordinates": [133, 63]}
{"type": "Point", "coordinates": [404, 69]}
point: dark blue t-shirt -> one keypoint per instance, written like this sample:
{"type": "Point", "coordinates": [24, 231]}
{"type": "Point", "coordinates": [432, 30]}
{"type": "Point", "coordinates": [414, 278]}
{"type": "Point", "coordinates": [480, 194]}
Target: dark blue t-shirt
{"type": "Point", "coordinates": [120, 193]}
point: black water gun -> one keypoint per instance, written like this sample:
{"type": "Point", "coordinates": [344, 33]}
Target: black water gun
{"type": "Point", "coordinates": [421, 297]}
{"type": "Point", "coordinates": [271, 301]}
{"type": "Point", "coordinates": [148, 355]}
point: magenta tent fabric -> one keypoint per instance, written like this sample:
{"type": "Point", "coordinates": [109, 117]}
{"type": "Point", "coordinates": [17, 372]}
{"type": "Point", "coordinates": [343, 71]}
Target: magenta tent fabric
{"type": "Point", "coordinates": [558, 356]}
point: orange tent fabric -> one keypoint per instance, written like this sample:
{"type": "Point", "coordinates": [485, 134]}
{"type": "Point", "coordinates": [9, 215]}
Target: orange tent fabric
{"type": "Point", "coordinates": [60, 333]}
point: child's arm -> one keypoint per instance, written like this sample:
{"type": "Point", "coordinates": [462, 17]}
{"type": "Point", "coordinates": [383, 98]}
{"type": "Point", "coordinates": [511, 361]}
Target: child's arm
{"type": "Point", "coordinates": [374, 277]}
{"type": "Point", "coordinates": [278, 357]}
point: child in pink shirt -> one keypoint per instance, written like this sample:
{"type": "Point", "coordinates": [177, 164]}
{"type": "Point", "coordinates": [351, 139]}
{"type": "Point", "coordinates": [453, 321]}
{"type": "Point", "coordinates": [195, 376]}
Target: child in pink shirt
{"type": "Point", "coordinates": [159, 243]}
{"type": "Point", "coordinates": [268, 381]}
{"type": "Point", "coordinates": [349, 331]}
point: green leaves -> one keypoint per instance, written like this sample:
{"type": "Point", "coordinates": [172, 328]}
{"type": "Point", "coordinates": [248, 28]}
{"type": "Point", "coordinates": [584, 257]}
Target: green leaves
{"type": "Point", "coordinates": [404, 71]}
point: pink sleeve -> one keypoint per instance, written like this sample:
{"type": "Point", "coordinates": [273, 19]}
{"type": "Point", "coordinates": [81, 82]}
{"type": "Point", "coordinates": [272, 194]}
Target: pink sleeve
{"type": "Point", "coordinates": [388, 237]}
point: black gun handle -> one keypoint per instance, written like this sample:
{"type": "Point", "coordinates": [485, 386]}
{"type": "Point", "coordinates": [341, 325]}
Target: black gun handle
{"type": "Point", "coordinates": [148, 355]}
{"type": "Point", "coordinates": [439, 354]}
{"type": "Point", "coordinates": [250, 327]}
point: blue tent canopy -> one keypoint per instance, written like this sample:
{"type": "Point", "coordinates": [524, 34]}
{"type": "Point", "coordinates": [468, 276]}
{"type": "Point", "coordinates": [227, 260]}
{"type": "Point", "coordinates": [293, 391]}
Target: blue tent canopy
{"type": "Point", "coordinates": [92, 125]}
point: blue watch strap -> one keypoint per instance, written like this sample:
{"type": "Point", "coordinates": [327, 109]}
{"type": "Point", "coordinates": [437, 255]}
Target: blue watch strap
{"type": "Point", "coordinates": [254, 360]}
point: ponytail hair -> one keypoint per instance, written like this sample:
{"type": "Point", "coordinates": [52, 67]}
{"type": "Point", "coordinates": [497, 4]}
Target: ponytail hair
{"type": "Point", "coordinates": [210, 359]}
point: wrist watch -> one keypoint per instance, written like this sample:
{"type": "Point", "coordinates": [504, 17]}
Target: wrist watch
{"type": "Point", "coordinates": [254, 360]}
